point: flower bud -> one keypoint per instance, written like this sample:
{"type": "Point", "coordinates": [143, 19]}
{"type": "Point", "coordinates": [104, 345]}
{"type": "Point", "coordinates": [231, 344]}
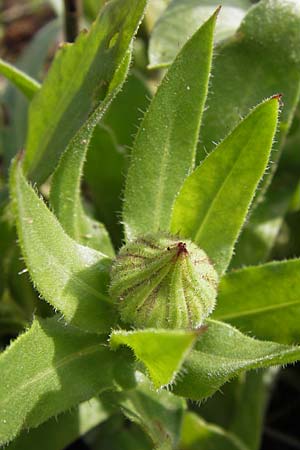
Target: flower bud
{"type": "Point", "coordinates": [160, 281]}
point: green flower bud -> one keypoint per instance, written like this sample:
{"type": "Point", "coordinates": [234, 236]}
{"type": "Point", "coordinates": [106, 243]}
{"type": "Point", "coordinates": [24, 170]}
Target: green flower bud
{"type": "Point", "coordinates": [162, 282]}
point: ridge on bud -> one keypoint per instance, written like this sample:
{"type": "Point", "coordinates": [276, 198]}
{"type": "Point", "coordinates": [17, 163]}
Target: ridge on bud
{"type": "Point", "coordinates": [160, 281]}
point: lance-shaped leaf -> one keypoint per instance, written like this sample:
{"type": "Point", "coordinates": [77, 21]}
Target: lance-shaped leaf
{"type": "Point", "coordinates": [164, 150]}
{"type": "Point", "coordinates": [222, 353]}
{"type": "Point", "coordinates": [71, 277]}
{"type": "Point", "coordinates": [65, 197]}
{"type": "Point", "coordinates": [27, 85]}
{"type": "Point", "coordinates": [197, 434]}
{"type": "Point", "coordinates": [77, 81]}
{"type": "Point", "coordinates": [264, 299]}
{"type": "Point", "coordinates": [160, 413]}
{"type": "Point", "coordinates": [214, 200]}
{"type": "Point", "coordinates": [46, 371]}
{"type": "Point", "coordinates": [61, 431]}
{"type": "Point", "coordinates": [182, 18]}
{"type": "Point", "coordinates": [161, 351]}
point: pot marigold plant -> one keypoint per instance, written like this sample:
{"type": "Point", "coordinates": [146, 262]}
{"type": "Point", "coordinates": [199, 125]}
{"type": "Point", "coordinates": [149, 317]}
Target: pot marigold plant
{"type": "Point", "coordinates": [152, 320]}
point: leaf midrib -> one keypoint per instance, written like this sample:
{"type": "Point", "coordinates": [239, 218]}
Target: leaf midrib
{"type": "Point", "coordinates": [257, 311]}
{"type": "Point", "coordinates": [220, 190]}
{"type": "Point", "coordinates": [46, 372]}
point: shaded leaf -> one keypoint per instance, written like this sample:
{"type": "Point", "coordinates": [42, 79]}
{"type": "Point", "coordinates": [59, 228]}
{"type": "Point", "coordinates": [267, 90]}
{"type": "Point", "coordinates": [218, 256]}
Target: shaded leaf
{"type": "Point", "coordinates": [206, 207]}
{"type": "Point", "coordinates": [160, 413]}
{"type": "Point", "coordinates": [110, 143]}
{"type": "Point", "coordinates": [196, 434]}
{"type": "Point", "coordinates": [182, 18]}
{"type": "Point", "coordinates": [222, 353]}
{"type": "Point", "coordinates": [62, 430]}
{"type": "Point", "coordinates": [72, 278]}
{"type": "Point", "coordinates": [257, 63]}
{"type": "Point", "coordinates": [161, 351]}
{"type": "Point", "coordinates": [69, 367]}
{"type": "Point", "coordinates": [264, 300]}
{"type": "Point", "coordinates": [164, 148]}
{"type": "Point", "coordinates": [87, 67]}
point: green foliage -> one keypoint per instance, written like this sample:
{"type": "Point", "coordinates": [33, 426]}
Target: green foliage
{"type": "Point", "coordinates": [164, 132]}
{"type": "Point", "coordinates": [76, 345]}
{"type": "Point", "coordinates": [181, 19]}
{"type": "Point", "coordinates": [63, 358]}
{"type": "Point", "coordinates": [88, 67]}
{"type": "Point", "coordinates": [205, 209]}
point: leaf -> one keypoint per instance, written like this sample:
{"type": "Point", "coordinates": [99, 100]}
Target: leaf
{"type": "Point", "coordinates": [66, 101]}
{"type": "Point", "coordinates": [27, 85]}
{"type": "Point", "coordinates": [61, 431]}
{"type": "Point", "coordinates": [65, 197]}
{"type": "Point", "coordinates": [206, 207]}
{"type": "Point", "coordinates": [252, 401]}
{"type": "Point", "coordinates": [110, 143]}
{"type": "Point", "coordinates": [181, 19]}
{"type": "Point", "coordinates": [255, 64]}
{"type": "Point", "coordinates": [72, 278]}
{"type": "Point", "coordinates": [47, 370]}
{"type": "Point", "coordinates": [160, 413]}
{"type": "Point", "coordinates": [164, 149]}
{"type": "Point", "coordinates": [263, 299]}
{"type": "Point", "coordinates": [196, 434]}
{"type": "Point", "coordinates": [13, 132]}
{"type": "Point", "coordinates": [222, 353]}
{"type": "Point", "coordinates": [161, 351]}
{"type": "Point", "coordinates": [260, 233]}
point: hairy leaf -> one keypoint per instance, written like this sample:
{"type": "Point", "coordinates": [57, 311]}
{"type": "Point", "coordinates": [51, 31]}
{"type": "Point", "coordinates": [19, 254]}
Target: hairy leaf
{"type": "Point", "coordinates": [164, 149]}
{"type": "Point", "coordinates": [65, 197]}
{"type": "Point", "coordinates": [221, 354]}
{"type": "Point", "coordinates": [47, 370]}
{"type": "Point", "coordinates": [61, 431]}
{"type": "Point", "coordinates": [161, 351]}
{"type": "Point", "coordinates": [72, 278]}
{"type": "Point", "coordinates": [263, 300]}
{"type": "Point", "coordinates": [182, 18]}
{"type": "Point", "coordinates": [206, 208]}
{"type": "Point", "coordinates": [76, 83]}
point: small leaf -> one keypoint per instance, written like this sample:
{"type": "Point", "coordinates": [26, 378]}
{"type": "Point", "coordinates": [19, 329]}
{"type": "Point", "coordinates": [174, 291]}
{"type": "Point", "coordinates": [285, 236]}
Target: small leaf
{"type": "Point", "coordinates": [158, 413]}
{"type": "Point", "coordinates": [264, 299]}
{"type": "Point", "coordinates": [76, 83]}
{"type": "Point", "coordinates": [65, 197]}
{"type": "Point", "coordinates": [162, 351]}
{"type": "Point", "coordinates": [198, 434]}
{"type": "Point", "coordinates": [222, 353]}
{"type": "Point", "coordinates": [164, 149]}
{"type": "Point", "coordinates": [206, 207]}
{"type": "Point", "coordinates": [182, 18]}
{"type": "Point", "coordinates": [47, 370]}
{"type": "Point", "coordinates": [61, 431]}
{"type": "Point", "coordinates": [72, 278]}
{"type": "Point", "coordinates": [27, 85]}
